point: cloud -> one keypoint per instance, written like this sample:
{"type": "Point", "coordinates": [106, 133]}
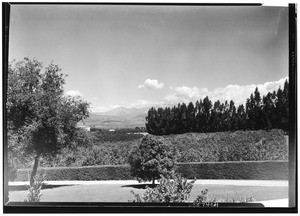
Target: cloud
{"type": "Point", "coordinates": [151, 84]}
{"type": "Point", "coordinates": [237, 93]}
{"type": "Point", "coordinates": [73, 93]}
{"type": "Point", "coordinates": [186, 94]}
{"type": "Point", "coordinates": [94, 98]}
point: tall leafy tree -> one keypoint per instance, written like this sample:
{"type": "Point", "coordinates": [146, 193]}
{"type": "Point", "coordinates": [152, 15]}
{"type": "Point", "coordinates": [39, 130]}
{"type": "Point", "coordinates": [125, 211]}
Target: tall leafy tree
{"type": "Point", "coordinates": [285, 117]}
{"type": "Point", "coordinates": [258, 115]}
{"type": "Point", "coordinates": [270, 111]}
{"type": "Point", "coordinates": [173, 120]}
{"type": "Point", "coordinates": [250, 107]}
{"type": "Point", "coordinates": [182, 124]}
{"type": "Point", "coordinates": [41, 118]}
{"type": "Point", "coordinates": [190, 117]}
{"type": "Point", "coordinates": [167, 120]}
{"type": "Point", "coordinates": [226, 116]}
{"type": "Point", "coordinates": [241, 117]}
{"type": "Point", "coordinates": [279, 110]}
{"type": "Point", "coordinates": [215, 121]}
{"type": "Point", "coordinates": [198, 111]}
{"type": "Point", "coordinates": [233, 117]}
{"type": "Point", "coordinates": [151, 120]}
{"type": "Point", "coordinates": [206, 113]}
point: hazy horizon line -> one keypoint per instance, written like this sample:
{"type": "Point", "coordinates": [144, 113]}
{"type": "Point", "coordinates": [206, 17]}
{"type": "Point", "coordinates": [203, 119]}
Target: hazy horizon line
{"type": "Point", "coordinates": [184, 94]}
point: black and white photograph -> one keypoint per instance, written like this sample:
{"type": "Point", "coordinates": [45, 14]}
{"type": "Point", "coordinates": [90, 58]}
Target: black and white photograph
{"type": "Point", "coordinates": [154, 105]}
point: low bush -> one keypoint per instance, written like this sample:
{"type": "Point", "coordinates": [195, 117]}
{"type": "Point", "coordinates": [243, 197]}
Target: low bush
{"type": "Point", "coordinates": [259, 170]}
{"type": "Point", "coordinates": [34, 191]}
{"type": "Point", "coordinates": [202, 200]}
{"type": "Point", "coordinates": [168, 190]}
{"type": "Point", "coordinates": [178, 190]}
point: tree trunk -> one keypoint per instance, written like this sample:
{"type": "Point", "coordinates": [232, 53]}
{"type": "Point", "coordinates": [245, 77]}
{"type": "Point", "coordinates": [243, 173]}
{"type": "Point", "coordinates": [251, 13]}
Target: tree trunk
{"type": "Point", "coordinates": [34, 170]}
{"type": "Point", "coordinates": [153, 181]}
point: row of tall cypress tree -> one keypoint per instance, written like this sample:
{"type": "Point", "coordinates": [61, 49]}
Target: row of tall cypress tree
{"type": "Point", "coordinates": [267, 112]}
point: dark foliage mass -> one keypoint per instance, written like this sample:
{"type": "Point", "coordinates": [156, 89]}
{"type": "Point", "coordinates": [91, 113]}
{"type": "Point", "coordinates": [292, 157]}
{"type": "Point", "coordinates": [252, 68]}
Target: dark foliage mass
{"type": "Point", "coordinates": [270, 111]}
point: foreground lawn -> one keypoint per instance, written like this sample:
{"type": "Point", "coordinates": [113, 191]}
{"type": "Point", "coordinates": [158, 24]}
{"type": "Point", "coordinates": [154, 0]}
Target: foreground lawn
{"type": "Point", "coordinates": [121, 193]}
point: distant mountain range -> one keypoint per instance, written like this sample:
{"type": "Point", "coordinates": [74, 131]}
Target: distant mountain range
{"type": "Point", "coordinates": [122, 111]}
{"type": "Point", "coordinates": [120, 117]}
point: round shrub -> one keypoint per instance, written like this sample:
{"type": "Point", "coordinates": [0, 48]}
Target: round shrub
{"type": "Point", "coordinates": [151, 159]}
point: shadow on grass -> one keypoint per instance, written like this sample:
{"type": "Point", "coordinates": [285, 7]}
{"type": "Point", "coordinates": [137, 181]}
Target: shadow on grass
{"type": "Point", "coordinates": [140, 186]}
{"type": "Point", "coordinates": [24, 187]}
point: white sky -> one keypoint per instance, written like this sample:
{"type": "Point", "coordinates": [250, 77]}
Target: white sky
{"type": "Point", "coordinates": [135, 56]}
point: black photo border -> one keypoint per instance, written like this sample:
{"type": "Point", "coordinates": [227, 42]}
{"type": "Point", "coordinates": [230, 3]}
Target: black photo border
{"type": "Point", "coordinates": [74, 207]}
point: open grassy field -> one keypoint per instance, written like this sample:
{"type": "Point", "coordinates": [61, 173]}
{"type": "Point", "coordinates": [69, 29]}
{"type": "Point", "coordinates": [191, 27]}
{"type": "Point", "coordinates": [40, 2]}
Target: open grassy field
{"type": "Point", "coordinates": [121, 192]}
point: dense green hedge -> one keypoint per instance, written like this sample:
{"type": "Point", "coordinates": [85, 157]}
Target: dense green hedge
{"type": "Point", "coordinates": [259, 170]}
{"type": "Point", "coordinates": [88, 173]}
